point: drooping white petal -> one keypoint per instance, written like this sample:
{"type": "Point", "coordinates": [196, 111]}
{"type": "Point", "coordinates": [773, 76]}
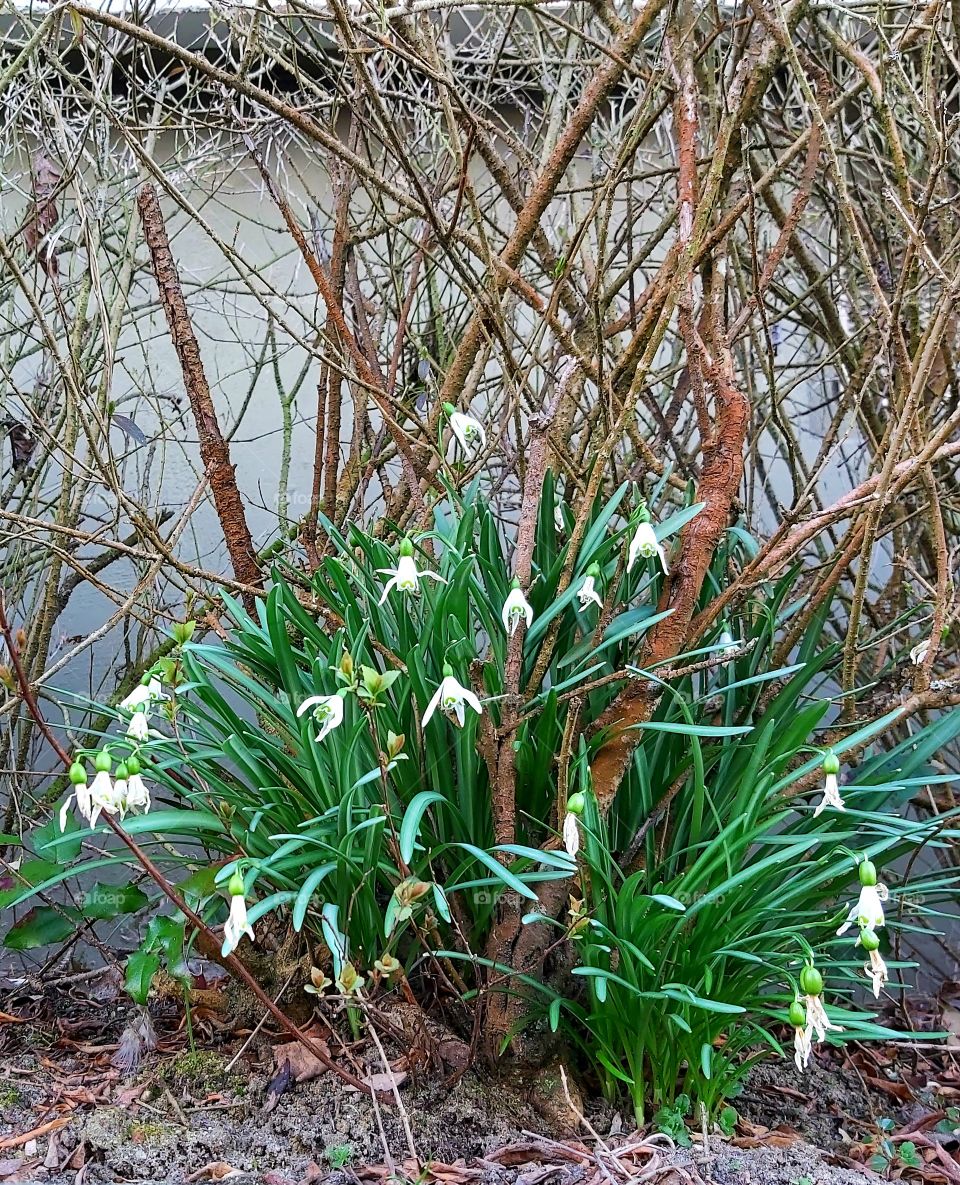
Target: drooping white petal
{"type": "Point", "coordinates": [515, 609]}
{"type": "Point", "coordinates": [327, 710]}
{"type": "Point", "coordinates": [467, 430]}
{"type": "Point", "coordinates": [101, 797]}
{"type": "Point", "coordinates": [391, 583]}
{"type": "Point", "coordinates": [877, 972]}
{"type": "Point", "coordinates": [143, 695]}
{"type": "Point", "coordinates": [65, 811]}
{"type": "Point", "coordinates": [138, 793]}
{"type": "Point", "coordinates": [802, 1046]}
{"type": "Point", "coordinates": [472, 700]}
{"type": "Point", "coordinates": [236, 925]}
{"type": "Point", "coordinates": [450, 697]}
{"type": "Point", "coordinates": [139, 727]}
{"type": "Point", "coordinates": [571, 834]}
{"type": "Point", "coordinates": [82, 798]}
{"type": "Point", "coordinates": [645, 544]}
{"type": "Point", "coordinates": [588, 593]}
{"type": "Point", "coordinates": [867, 910]}
{"type": "Point", "coordinates": [817, 1020]}
{"type": "Point", "coordinates": [919, 652]}
{"type": "Point", "coordinates": [432, 705]}
{"type": "Point", "coordinates": [831, 795]}
{"type": "Point", "coordinates": [408, 578]}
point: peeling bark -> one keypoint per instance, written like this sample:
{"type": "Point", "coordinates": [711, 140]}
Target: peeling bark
{"type": "Point", "coordinates": [214, 450]}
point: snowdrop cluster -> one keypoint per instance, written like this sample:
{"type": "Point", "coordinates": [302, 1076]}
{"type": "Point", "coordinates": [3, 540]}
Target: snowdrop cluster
{"type": "Point", "coordinates": [116, 791]}
{"type": "Point", "coordinates": [808, 1016]}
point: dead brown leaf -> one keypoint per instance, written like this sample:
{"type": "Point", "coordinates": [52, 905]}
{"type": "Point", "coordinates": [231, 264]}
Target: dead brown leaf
{"type": "Point", "coordinates": [216, 1170]}
{"type": "Point", "coordinates": [303, 1065]}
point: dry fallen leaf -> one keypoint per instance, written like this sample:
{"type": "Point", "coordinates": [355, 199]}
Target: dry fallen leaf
{"type": "Point", "coordinates": [216, 1170]}
{"type": "Point", "coordinates": [303, 1065]}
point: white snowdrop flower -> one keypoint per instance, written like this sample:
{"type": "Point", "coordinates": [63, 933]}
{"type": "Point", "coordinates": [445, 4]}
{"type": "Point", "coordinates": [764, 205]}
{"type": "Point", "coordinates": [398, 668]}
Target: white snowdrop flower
{"type": "Point", "coordinates": [876, 969]}
{"type": "Point", "coordinates": [646, 545]}
{"type": "Point", "coordinates": [468, 431]}
{"type": "Point", "coordinates": [327, 711]}
{"type": "Point", "coordinates": [450, 698]}
{"type": "Point", "coordinates": [817, 1022]}
{"type": "Point", "coordinates": [919, 652]}
{"type": "Point", "coordinates": [405, 577]}
{"type": "Point", "coordinates": [138, 793]}
{"type": "Point", "coordinates": [515, 609]}
{"type": "Point", "coordinates": [139, 727]}
{"type": "Point", "coordinates": [831, 787]}
{"type": "Point", "coordinates": [236, 924]}
{"type": "Point", "coordinates": [571, 834]}
{"type": "Point", "coordinates": [867, 910]}
{"type": "Point", "coordinates": [802, 1046]}
{"type": "Point", "coordinates": [108, 796]}
{"type": "Point", "coordinates": [588, 589]}
{"type": "Point", "coordinates": [571, 823]}
{"type": "Point", "coordinates": [144, 695]}
{"type": "Point", "coordinates": [80, 794]}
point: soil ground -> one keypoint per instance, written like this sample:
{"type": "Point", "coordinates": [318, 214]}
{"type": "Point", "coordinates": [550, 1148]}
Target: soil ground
{"type": "Point", "coordinates": [232, 1112]}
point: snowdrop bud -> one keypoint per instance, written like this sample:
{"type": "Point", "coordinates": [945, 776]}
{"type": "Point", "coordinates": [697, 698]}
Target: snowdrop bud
{"type": "Point", "coordinates": [447, 671]}
{"type": "Point", "coordinates": [868, 873]}
{"type": "Point", "coordinates": [77, 774]}
{"type": "Point", "coordinates": [811, 981]}
{"type": "Point", "coordinates": [102, 762]}
{"type": "Point", "coordinates": [869, 940]}
{"type": "Point", "coordinates": [831, 763]}
{"type": "Point", "coordinates": [183, 631]}
{"type": "Point", "coordinates": [797, 1015]}
{"type": "Point", "coordinates": [576, 803]}
{"type": "Point", "coordinates": [406, 546]}
{"type": "Point", "coordinates": [235, 885]}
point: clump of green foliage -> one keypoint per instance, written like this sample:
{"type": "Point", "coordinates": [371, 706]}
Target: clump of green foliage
{"type": "Point", "coordinates": [690, 904]}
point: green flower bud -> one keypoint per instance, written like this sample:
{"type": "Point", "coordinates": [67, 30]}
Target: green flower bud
{"type": "Point", "coordinates": [235, 885]}
{"type": "Point", "coordinates": [145, 679]}
{"type": "Point", "coordinates": [515, 583]}
{"type": "Point", "coordinates": [868, 873]}
{"type": "Point", "coordinates": [447, 671]}
{"type": "Point", "coordinates": [594, 571]}
{"type": "Point", "coordinates": [449, 408]}
{"type": "Point", "coordinates": [797, 1015]}
{"type": "Point", "coordinates": [133, 766]}
{"type": "Point", "coordinates": [576, 803]}
{"type": "Point", "coordinates": [406, 546]}
{"type": "Point", "coordinates": [78, 774]}
{"type": "Point", "coordinates": [831, 763]}
{"type": "Point", "coordinates": [183, 631]}
{"type": "Point", "coordinates": [869, 941]}
{"type": "Point", "coordinates": [102, 762]}
{"type": "Point", "coordinates": [811, 981]}
{"type": "Point", "coordinates": [122, 772]}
